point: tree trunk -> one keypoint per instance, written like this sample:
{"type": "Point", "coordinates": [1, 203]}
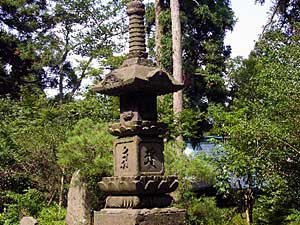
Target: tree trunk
{"type": "Point", "coordinates": [79, 81]}
{"type": "Point", "coordinates": [177, 54]}
{"type": "Point", "coordinates": [249, 216]}
{"type": "Point", "coordinates": [177, 58]}
{"type": "Point", "coordinates": [158, 31]}
{"type": "Point", "coordinates": [60, 83]}
{"type": "Point", "coordinates": [61, 65]}
{"type": "Point", "coordinates": [249, 201]}
{"type": "Point", "coordinates": [61, 191]}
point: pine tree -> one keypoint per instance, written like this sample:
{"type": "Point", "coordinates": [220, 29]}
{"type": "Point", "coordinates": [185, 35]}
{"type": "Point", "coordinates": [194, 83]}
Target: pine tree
{"type": "Point", "coordinates": [21, 25]}
{"type": "Point", "coordinates": [204, 25]}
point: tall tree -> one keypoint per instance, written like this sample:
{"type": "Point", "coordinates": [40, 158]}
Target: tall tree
{"type": "Point", "coordinates": [89, 30]}
{"type": "Point", "coordinates": [204, 25]}
{"type": "Point", "coordinates": [177, 55]}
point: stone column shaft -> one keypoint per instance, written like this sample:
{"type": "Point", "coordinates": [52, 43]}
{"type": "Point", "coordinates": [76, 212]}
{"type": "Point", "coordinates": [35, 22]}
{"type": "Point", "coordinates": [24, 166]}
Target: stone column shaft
{"type": "Point", "coordinates": [137, 45]}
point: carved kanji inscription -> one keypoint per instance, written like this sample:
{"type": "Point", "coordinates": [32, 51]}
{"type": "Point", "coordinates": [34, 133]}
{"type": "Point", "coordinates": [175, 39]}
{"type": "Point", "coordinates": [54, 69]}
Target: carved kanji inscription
{"type": "Point", "coordinates": [125, 157]}
{"type": "Point", "coordinates": [136, 156]}
{"type": "Point", "coordinates": [124, 163]}
{"type": "Point", "coordinates": [151, 157]}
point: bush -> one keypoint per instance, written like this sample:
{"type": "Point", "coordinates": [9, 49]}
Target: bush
{"type": "Point", "coordinates": [31, 203]}
{"type": "Point", "coordinates": [52, 215]}
{"type": "Point", "coordinates": [294, 217]}
{"type": "Point", "coordinates": [195, 168]}
{"type": "Point", "coordinates": [88, 148]}
{"type": "Point", "coordinates": [203, 211]}
{"type": "Point", "coordinates": [28, 204]}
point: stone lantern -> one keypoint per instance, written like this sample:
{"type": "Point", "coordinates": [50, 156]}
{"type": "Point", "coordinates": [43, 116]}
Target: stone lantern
{"type": "Point", "coordinates": [138, 188]}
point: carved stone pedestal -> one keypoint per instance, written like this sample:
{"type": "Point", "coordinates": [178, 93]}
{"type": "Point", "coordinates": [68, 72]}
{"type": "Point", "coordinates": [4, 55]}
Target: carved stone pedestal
{"type": "Point", "coordinates": [166, 216]}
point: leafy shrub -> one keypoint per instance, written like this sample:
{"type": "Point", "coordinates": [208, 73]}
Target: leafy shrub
{"type": "Point", "coordinates": [294, 217]}
{"type": "Point", "coordinates": [196, 168]}
{"type": "Point", "coordinates": [28, 204]}
{"type": "Point", "coordinates": [31, 203]}
{"type": "Point", "coordinates": [203, 211]}
{"type": "Point", "coordinates": [88, 148]}
{"type": "Point", "coordinates": [52, 215]}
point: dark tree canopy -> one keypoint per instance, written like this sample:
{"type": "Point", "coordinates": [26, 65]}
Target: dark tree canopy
{"type": "Point", "coordinates": [21, 24]}
{"type": "Point", "coordinates": [204, 30]}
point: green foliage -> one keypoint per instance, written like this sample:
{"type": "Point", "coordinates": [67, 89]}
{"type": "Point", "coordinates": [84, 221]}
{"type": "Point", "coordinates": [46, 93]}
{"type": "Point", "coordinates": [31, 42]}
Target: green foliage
{"type": "Point", "coordinates": [261, 152]}
{"type": "Point", "coordinates": [285, 15]}
{"type": "Point", "coordinates": [198, 164]}
{"type": "Point", "coordinates": [203, 210]}
{"type": "Point", "coordinates": [21, 22]}
{"type": "Point", "coordinates": [89, 30]}
{"type": "Point", "coordinates": [187, 124]}
{"type": "Point", "coordinates": [203, 28]}
{"type": "Point", "coordinates": [52, 215]}
{"type": "Point", "coordinates": [31, 203]}
{"type": "Point", "coordinates": [31, 133]}
{"type": "Point", "coordinates": [294, 217]}
{"type": "Point", "coordinates": [204, 24]}
{"type": "Point", "coordinates": [27, 204]}
{"type": "Point", "coordinates": [54, 44]}
{"type": "Point", "coordinates": [88, 147]}
{"type": "Point", "coordinates": [192, 169]}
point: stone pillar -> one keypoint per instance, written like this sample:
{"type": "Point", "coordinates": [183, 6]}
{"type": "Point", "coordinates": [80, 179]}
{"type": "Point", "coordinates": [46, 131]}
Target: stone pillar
{"type": "Point", "coordinates": [139, 192]}
{"type": "Point", "coordinates": [79, 208]}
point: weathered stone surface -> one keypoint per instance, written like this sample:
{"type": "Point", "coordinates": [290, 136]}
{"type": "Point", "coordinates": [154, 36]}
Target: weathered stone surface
{"type": "Point", "coordinates": [139, 185]}
{"type": "Point", "coordinates": [132, 128]}
{"type": "Point", "coordinates": [138, 107]}
{"type": "Point", "coordinates": [136, 156]}
{"type": "Point", "coordinates": [78, 210]}
{"type": "Point", "coordinates": [137, 45]}
{"type": "Point", "coordinates": [137, 60]}
{"type": "Point", "coordinates": [28, 221]}
{"type": "Point", "coordinates": [139, 202]}
{"type": "Point", "coordinates": [137, 78]}
{"type": "Point", "coordinates": [167, 216]}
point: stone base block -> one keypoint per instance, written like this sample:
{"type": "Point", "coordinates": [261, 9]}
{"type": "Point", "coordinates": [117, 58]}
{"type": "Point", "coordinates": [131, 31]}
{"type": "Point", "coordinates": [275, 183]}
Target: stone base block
{"type": "Point", "coordinates": [165, 216]}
